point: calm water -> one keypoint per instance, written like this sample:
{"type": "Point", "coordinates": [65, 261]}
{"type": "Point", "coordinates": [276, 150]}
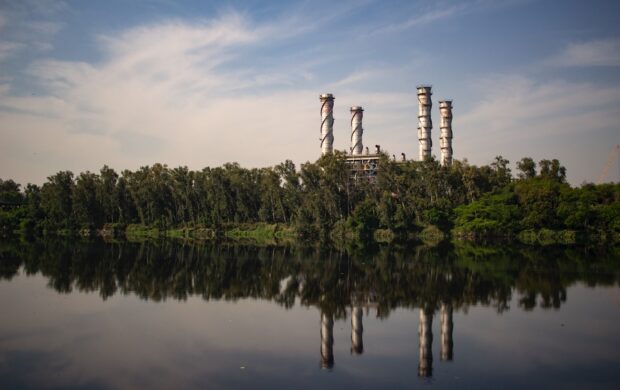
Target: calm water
{"type": "Point", "coordinates": [168, 315]}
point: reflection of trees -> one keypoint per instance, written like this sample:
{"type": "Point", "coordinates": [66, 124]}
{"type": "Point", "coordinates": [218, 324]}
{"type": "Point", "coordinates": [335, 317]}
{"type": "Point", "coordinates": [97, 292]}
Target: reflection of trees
{"type": "Point", "coordinates": [332, 280]}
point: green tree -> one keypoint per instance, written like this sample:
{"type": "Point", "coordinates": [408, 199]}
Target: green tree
{"type": "Point", "coordinates": [88, 212]}
{"type": "Point", "coordinates": [527, 168]}
{"type": "Point", "coordinates": [57, 201]}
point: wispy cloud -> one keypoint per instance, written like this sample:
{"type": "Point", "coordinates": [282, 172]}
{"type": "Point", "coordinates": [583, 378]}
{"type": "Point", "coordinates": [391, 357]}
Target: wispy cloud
{"type": "Point", "coordinates": [431, 12]}
{"type": "Point", "coordinates": [438, 11]}
{"type": "Point", "coordinates": [8, 49]}
{"type": "Point", "coordinates": [516, 116]}
{"type": "Point", "coordinates": [352, 78]}
{"type": "Point", "coordinates": [601, 52]}
{"type": "Point", "coordinates": [430, 16]}
{"type": "Point", "coordinates": [162, 92]}
{"type": "Point", "coordinates": [27, 26]}
{"type": "Point", "coordinates": [239, 86]}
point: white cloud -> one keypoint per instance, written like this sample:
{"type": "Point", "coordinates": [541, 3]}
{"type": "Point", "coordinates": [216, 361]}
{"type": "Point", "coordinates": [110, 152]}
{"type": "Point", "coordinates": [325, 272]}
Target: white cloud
{"type": "Point", "coordinates": [44, 28]}
{"type": "Point", "coordinates": [424, 17]}
{"type": "Point", "coordinates": [432, 16]}
{"type": "Point", "coordinates": [163, 93]}
{"type": "Point", "coordinates": [510, 102]}
{"type": "Point", "coordinates": [198, 94]}
{"type": "Point", "coordinates": [602, 52]}
{"type": "Point", "coordinates": [353, 78]}
{"type": "Point", "coordinates": [517, 117]}
{"type": "Point", "coordinates": [444, 10]}
{"type": "Point", "coordinates": [29, 26]}
{"type": "Point", "coordinates": [8, 49]}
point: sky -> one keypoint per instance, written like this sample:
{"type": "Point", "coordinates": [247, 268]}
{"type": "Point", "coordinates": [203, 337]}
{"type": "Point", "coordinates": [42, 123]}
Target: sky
{"type": "Point", "coordinates": [131, 83]}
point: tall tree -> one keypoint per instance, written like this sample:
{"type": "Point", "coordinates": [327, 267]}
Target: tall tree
{"type": "Point", "coordinates": [527, 168]}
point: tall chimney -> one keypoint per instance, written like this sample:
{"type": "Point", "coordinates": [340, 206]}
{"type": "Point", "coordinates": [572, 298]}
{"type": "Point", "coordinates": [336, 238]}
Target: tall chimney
{"type": "Point", "coordinates": [357, 131]}
{"type": "Point", "coordinates": [445, 124]}
{"type": "Point", "coordinates": [424, 121]}
{"type": "Point", "coordinates": [327, 123]}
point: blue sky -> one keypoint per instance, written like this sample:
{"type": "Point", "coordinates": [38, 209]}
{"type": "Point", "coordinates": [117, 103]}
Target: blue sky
{"type": "Point", "coordinates": [131, 83]}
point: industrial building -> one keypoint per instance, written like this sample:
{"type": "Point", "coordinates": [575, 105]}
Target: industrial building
{"type": "Point", "coordinates": [362, 161]}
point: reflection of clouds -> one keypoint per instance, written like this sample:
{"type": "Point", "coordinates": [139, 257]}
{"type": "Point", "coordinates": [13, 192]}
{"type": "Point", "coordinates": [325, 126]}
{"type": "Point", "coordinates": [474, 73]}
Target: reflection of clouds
{"type": "Point", "coordinates": [78, 339]}
{"type": "Point", "coordinates": [222, 320]}
{"type": "Point", "coordinates": [553, 339]}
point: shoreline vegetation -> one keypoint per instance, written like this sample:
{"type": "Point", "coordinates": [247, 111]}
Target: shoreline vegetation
{"type": "Point", "coordinates": [322, 201]}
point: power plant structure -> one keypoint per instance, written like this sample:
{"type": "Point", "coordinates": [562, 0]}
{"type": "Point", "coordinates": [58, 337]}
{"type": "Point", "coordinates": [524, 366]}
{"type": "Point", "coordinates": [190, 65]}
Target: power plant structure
{"type": "Point", "coordinates": [445, 124]}
{"type": "Point", "coordinates": [363, 162]}
{"type": "Point", "coordinates": [425, 123]}
{"type": "Point", "coordinates": [357, 131]}
{"type": "Point", "coordinates": [327, 123]}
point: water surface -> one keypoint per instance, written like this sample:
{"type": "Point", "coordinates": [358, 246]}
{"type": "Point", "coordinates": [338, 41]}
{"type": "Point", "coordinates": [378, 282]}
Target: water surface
{"type": "Point", "coordinates": [169, 315]}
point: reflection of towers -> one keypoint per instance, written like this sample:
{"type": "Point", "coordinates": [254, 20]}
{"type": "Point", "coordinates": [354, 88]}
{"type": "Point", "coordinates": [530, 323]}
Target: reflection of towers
{"type": "Point", "coordinates": [357, 343]}
{"type": "Point", "coordinates": [424, 121]}
{"type": "Point", "coordinates": [356, 130]}
{"type": "Point", "coordinates": [445, 124]}
{"type": "Point", "coordinates": [446, 332]}
{"type": "Point", "coordinates": [425, 332]}
{"type": "Point", "coordinates": [327, 341]}
{"type": "Point", "coordinates": [327, 123]}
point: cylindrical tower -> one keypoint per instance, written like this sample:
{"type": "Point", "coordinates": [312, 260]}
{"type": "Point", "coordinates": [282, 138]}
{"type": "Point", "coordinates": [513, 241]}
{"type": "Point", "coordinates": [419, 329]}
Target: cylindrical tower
{"type": "Point", "coordinates": [425, 124]}
{"type": "Point", "coordinates": [357, 330]}
{"type": "Point", "coordinates": [445, 124]}
{"type": "Point", "coordinates": [327, 123]}
{"type": "Point", "coordinates": [425, 333]}
{"type": "Point", "coordinates": [445, 350]}
{"type": "Point", "coordinates": [357, 113]}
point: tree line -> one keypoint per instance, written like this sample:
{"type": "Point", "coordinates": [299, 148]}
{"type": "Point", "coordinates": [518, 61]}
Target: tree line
{"type": "Point", "coordinates": [319, 199]}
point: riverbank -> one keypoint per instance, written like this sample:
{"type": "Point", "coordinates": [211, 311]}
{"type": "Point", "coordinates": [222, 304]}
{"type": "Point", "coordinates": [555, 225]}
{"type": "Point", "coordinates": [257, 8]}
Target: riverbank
{"type": "Point", "coordinates": [274, 233]}
{"type": "Point", "coordinates": [258, 232]}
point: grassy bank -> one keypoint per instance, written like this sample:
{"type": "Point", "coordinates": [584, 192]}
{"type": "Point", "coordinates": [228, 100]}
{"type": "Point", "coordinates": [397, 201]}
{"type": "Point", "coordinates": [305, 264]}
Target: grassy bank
{"type": "Point", "coordinates": [260, 232]}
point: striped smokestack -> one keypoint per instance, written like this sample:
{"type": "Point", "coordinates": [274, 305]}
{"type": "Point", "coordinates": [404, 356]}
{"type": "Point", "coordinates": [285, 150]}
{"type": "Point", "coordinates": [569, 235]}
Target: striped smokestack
{"type": "Point", "coordinates": [445, 124]}
{"type": "Point", "coordinates": [357, 131]}
{"type": "Point", "coordinates": [327, 123]}
{"type": "Point", "coordinates": [425, 124]}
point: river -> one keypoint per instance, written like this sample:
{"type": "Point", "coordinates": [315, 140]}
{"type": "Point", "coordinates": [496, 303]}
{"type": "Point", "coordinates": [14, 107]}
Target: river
{"type": "Point", "coordinates": [171, 314]}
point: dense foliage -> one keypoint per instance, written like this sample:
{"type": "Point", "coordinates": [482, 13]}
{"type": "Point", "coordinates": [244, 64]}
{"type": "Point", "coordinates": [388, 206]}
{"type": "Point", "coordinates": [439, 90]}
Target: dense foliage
{"type": "Point", "coordinates": [319, 199]}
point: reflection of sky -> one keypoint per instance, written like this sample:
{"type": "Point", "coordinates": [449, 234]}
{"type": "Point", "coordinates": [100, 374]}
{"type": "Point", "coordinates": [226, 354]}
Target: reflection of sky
{"type": "Point", "coordinates": [49, 339]}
